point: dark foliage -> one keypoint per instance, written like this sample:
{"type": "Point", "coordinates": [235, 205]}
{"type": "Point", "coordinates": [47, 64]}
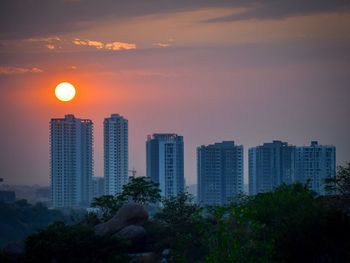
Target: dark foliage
{"type": "Point", "coordinates": [340, 184]}
{"type": "Point", "coordinates": [180, 225]}
{"type": "Point", "coordinates": [75, 243]}
{"type": "Point", "coordinates": [19, 219]}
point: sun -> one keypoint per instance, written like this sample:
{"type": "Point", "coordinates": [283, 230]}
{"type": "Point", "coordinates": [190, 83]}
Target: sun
{"type": "Point", "coordinates": [65, 91]}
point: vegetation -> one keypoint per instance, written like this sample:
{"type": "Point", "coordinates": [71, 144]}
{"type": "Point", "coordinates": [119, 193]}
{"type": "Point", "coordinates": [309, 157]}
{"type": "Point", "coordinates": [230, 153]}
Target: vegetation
{"type": "Point", "coordinates": [19, 219]}
{"type": "Point", "coordinates": [180, 226]}
{"type": "Point", "coordinates": [140, 190]}
{"type": "Point", "coordinates": [108, 205]}
{"type": "Point", "coordinates": [340, 184]}
{"type": "Point", "coordinates": [73, 243]}
{"type": "Point", "coordinates": [289, 224]}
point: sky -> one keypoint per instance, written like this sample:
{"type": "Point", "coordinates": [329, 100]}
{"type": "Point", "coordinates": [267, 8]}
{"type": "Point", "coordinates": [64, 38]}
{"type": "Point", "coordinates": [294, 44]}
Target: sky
{"type": "Point", "coordinates": [249, 71]}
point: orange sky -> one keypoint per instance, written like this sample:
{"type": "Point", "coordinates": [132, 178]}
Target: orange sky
{"type": "Point", "coordinates": [282, 74]}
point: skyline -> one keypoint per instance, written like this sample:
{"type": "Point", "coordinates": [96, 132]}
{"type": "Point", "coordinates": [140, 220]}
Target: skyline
{"type": "Point", "coordinates": [247, 72]}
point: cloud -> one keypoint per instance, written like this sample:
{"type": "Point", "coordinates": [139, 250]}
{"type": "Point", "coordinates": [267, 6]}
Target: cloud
{"type": "Point", "coordinates": [7, 70]}
{"type": "Point", "coordinates": [49, 39]}
{"type": "Point", "coordinates": [164, 44]}
{"type": "Point", "coordinates": [20, 19]}
{"type": "Point", "coordinates": [120, 46]}
{"type": "Point", "coordinates": [161, 44]}
{"type": "Point", "coordinates": [109, 46]}
{"type": "Point", "coordinates": [72, 67]}
{"type": "Point", "coordinates": [51, 42]}
{"type": "Point", "coordinates": [281, 9]}
{"type": "Point", "coordinates": [91, 43]}
{"type": "Point", "coordinates": [50, 46]}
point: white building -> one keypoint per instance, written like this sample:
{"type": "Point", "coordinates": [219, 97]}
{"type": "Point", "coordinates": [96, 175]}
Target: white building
{"type": "Point", "coordinates": [315, 163]}
{"type": "Point", "coordinates": [165, 162]}
{"type": "Point", "coordinates": [116, 154]}
{"type": "Point", "coordinates": [71, 162]}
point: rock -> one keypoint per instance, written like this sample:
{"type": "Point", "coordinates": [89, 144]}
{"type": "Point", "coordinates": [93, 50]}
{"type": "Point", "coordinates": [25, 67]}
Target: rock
{"type": "Point", "coordinates": [166, 253]}
{"type": "Point", "coordinates": [128, 214]}
{"type": "Point", "coordinates": [133, 233]}
{"type": "Point", "coordinates": [148, 257]}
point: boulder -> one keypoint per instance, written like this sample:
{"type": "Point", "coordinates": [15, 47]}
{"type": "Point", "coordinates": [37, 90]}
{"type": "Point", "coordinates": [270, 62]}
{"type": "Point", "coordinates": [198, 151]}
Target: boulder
{"type": "Point", "coordinates": [128, 214]}
{"type": "Point", "coordinates": [166, 253]}
{"type": "Point", "coordinates": [147, 257]}
{"type": "Point", "coordinates": [133, 233]}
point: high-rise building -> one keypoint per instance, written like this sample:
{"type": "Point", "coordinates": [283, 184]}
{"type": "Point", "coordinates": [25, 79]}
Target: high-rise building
{"type": "Point", "coordinates": [116, 154]}
{"type": "Point", "coordinates": [165, 162]}
{"type": "Point", "coordinates": [98, 186]}
{"type": "Point", "coordinates": [270, 165]}
{"type": "Point", "coordinates": [219, 172]}
{"type": "Point", "coordinates": [71, 142]}
{"type": "Point", "coordinates": [315, 163]}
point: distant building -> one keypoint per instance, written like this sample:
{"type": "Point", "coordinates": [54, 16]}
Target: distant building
{"type": "Point", "coordinates": [165, 162]}
{"type": "Point", "coordinates": [7, 196]}
{"type": "Point", "coordinates": [116, 154]}
{"type": "Point", "coordinates": [98, 186]}
{"type": "Point", "coordinates": [315, 163]}
{"type": "Point", "coordinates": [42, 195]}
{"type": "Point", "coordinates": [270, 165]}
{"type": "Point", "coordinates": [71, 162]}
{"type": "Point", "coordinates": [219, 172]}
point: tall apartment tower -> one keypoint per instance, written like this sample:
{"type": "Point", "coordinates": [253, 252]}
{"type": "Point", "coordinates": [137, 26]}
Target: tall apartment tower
{"type": "Point", "coordinates": [98, 186]}
{"type": "Point", "coordinates": [71, 162]}
{"type": "Point", "coordinates": [219, 172]}
{"type": "Point", "coordinates": [165, 162]}
{"type": "Point", "coordinates": [270, 165]}
{"type": "Point", "coordinates": [116, 154]}
{"type": "Point", "coordinates": [315, 163]}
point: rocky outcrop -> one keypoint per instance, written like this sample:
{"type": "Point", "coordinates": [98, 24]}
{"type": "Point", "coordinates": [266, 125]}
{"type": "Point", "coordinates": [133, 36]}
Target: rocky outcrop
{"type": "Point", "coordinates": [134, 233]}
{"type": "Point", "coordinates": [130, 214]}
{"type": "Point", "coordinates": [147, 257]}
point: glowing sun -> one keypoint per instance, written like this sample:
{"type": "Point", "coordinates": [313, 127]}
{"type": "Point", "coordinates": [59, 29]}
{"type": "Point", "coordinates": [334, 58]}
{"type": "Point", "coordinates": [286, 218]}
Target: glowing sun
{"type": "Point", "coordinates": [65, 91]}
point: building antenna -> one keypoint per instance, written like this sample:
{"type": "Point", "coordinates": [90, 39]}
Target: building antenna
{"type": "Point", "coordinates": [133, 172]}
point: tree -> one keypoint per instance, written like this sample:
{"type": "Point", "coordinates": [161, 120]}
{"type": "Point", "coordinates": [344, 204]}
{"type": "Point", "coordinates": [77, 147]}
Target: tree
{"type": "Point", "coordinates": [108, 205]}
{"type": "Point", "coordinates": [74, 243]}
{"type": "Point", "coordinates": [141, 190]}
{"type": "Point", "coordinates": [340, 184]}
{"type": "Point", "coordinates": [182, 231]}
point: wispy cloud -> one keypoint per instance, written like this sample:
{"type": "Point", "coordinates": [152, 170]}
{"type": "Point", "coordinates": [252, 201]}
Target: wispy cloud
{"type": "Point", "coordinates": [31, 14]}
{"type": "Point", "coordinates": [164, 44]}
{"type": "Point", "coordinates": [120, 46]}
{"type": "Point", "coordinates": [51, 42]}
{"type": "Point", "coordinates": [275, 10]}
{"type": "Point", "coordinates": [7, 70]}
{"type": "Point", "coordinates": [161, 44]}
{"type": "Point", "coordinates": [50, 46]}
{"type": "Point", "coordinates": [90, 43]}
{"type": "Point", "coordinates": [72, 67]}
{"type": "Point", "coordinates": [100, 45]}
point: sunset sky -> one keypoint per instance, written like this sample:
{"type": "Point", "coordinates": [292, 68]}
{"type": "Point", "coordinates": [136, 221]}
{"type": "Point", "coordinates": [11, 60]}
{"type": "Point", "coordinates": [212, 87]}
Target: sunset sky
{"type": "Point", "coordinates": [248, 71]}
